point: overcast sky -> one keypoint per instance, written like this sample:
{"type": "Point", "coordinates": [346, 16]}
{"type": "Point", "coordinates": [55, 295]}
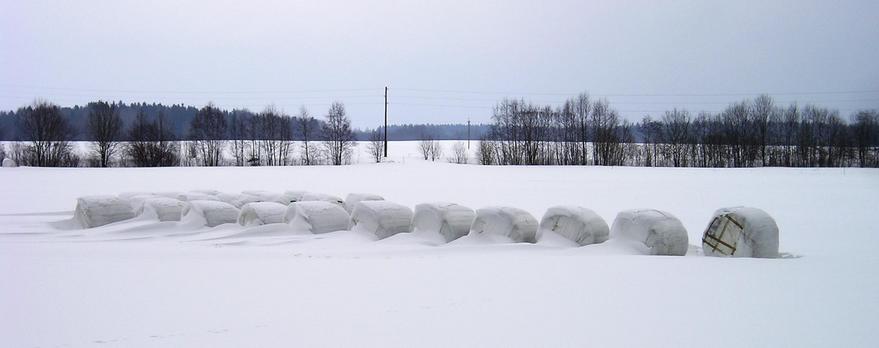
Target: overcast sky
{"type": "Point", "coordinates": [445, 60]}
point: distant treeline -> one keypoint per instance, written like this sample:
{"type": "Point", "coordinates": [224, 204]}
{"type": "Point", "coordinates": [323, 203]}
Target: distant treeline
{"type": "Point", "coordinates": [749, 133]}
{"type": "Point", "coordinates": [179, 117]}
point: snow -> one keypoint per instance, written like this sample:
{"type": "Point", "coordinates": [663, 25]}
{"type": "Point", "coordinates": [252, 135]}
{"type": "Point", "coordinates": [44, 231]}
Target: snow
{"type": "Point", "coordinates": [651, 231]}
{"type": "Point", "coordinates": [450, 220]}
{"type": "Point", "coordinates": [210, 213]}
{"type": "Point", "coordinates": [94, 211]}
{"type": "Point", "coordinates": [758, 235]}
{"type": "Point", "coordinates": [580, 225]}
{"type": "Point", "coordinates": [9, 163]}
{"type": "Point", "coordinates": [313, 196]}
{"type": "Point", "coordinates": [261, 213]}
{"type": "Point", "coordinates": [514, 224]}
{"type": "Point", "coordinates": [317, 217]}
{"type": "Point", "coordinates": [145, 283]}
{"type": "Point", "coordinates": [382, 218]}
{"type": "Point", "coordinates": [352, 199]}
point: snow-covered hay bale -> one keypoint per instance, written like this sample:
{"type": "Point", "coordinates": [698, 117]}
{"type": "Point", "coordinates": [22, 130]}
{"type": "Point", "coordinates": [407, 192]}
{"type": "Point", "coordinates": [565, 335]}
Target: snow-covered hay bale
{"type": "Point", "coordinates": [317, 217]}
{"type": "Point", "coordinates": [382, 218]}
{"type": "Point", "coordinates": [652, 232]}
{"type": "Point", "coordinates": [268, 196]}
{"type": "Point", "coordinates": [197, 196]}
{"type": "Point", "coordinates": [9, 163]}
{"type": "Point", "coordinates": [578, 224]}
{"type": "Point", "coordinates": [94, 211]}
{"type": "Point", "coordinates": [294, 196]}
{"type": "Point", "coordinates": [164, 208]}
{"type": "Point", "coordinates": [742, 232]}
{"type": "Point", "coordinates": [353, 198]}
{"type": "Point", "coordinates": [211, 213]}
{"type": "Point", "coordinates": [261, 213]}
{"type": "Point", "coordinates": [513, 223]}
{"type": "Point", "coordinates": [450, 220]}
{"type": "Point", "coordinates": [311, 197]}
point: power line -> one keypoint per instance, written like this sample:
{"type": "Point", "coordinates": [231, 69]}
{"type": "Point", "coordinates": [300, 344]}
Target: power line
{"type": "Point", "coordinates": [641, 94]}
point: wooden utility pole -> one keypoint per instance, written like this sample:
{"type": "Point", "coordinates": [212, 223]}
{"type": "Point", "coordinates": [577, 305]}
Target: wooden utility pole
{"type": "Point", "coordinates": [468, 133]}
{"type": "Point", "coordinates": [386, 121]}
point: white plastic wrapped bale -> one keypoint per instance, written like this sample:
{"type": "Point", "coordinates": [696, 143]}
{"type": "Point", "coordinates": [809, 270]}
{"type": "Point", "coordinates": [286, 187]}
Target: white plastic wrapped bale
{"type": "Point", "coordinates": [513, 223]}
{"type": "Point", "coordinates": [211, 213]}
{"type": "Point", "coordinates": [353, 198]}
{"type": "Point", "coordinates": [294, 196]}
{"type": "Point", "coordinates": [312, 196]}
{"type": "Point", "coordinates": [136, 200]}
{"type": "Point", "coordinates": [741, 232]}
{"type": "Point", "coordinates": [197, 196]}
{"type": "Point", "coordinates": [94, 211]}
{"type": "Point", "coordinates": [261, 213]}
{"type": "Point", "coordinates": [317, 217]}
{"type": "Point", "coordinates": [382, 218]}
{"type": "Point", "coordinates": [164, 208]}
{"type": "Point", "coordinates": [450, 220]}
{"type": "Point", "coordinates": [9, 163]}
{"type": "Point", "coordinates": [578, 224]}
{"type": "Point", "coordinates": [651, 232]}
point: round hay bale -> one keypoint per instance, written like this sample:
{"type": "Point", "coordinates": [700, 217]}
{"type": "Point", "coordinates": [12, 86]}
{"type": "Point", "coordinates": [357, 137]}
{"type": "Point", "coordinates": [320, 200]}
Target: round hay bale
{"type": "Point", "coordinates": [211, 213]}
{"type": "Point", "coordinates": [94, 211]}
{"type": "Point", "coordinates": [382, 218]}
{"type": "Point", "coordinates": [450, 220]}
{"type": "Point", "coordinates": [261, 213]}
{"type": "Point", "coordinates": [9, 163]}
{"type": "Point", "coordinates": [311, 197]}
{"type": "Point", "coordinates": [581, 225]}
{"type": "Point", "coordinates": [164, 208]}
{"type": "Point", "coordinates": [353, 198]}
{"type": "Point", "coordinates": [652, 232]}
{"type": "Point", "coordinates": [741, 232]}
{"type": "Point", "coordinates": [513, 223]}
{"type": "Point", "coordinates": [197, 196]}
{"type": "Point", "coordinates": [317, 217]}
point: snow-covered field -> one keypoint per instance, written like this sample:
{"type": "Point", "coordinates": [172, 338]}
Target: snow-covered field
{"type": "Point", "coordinates": [143, 283]}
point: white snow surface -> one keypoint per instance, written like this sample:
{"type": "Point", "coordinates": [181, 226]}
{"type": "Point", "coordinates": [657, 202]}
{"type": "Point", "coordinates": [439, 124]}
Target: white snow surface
{"type": "Point", "coordinates": [581, 225]}
{"type": "Point", "coordinates": [145, 283]}
{"type": "Point", "coordinates": [512, 223]}
{"type": "Point", "coordinates": [651, 231]}
{"type": "Point", "coordinates": [450, 220]}
{"type": "Point", "coordinates": [381, 218]}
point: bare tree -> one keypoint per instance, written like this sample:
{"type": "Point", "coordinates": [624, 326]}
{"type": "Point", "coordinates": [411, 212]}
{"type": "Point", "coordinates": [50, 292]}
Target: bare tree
{"type": "Point", "coordinates": [376, 145]}
{"type": "Point", "coordinates": [104, 127]}
{"type": "Point", "coordinates": [151, 143]}
{"type": "Point", "coordinates": [49, 135]}
{"type": "Point", "coordinates": [338, 136]}
{"type": "Point", "coordinates": [238, 136]}
{"type": "Point", "coordinates": [866, 137]}
{"type": "Point", "coordinates": [459, 153]}
{"type": "Point", "coordinates": [208, 132]}
{"type": "Point", "coordinates": [307, 126]}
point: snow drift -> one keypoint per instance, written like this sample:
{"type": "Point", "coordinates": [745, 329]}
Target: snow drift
{"type": "Point", "coordinates": [578, 224]}
{"type": "Point", "coordinates": [450, 220]}
{"type": "Point", "coordinates": [317, 217]}
{"type": "Point", "coordinates": [741, 232]}
{"type": "Point", "coordinates": [353, 198]}
{"type": "Point", "coordinates": [211, 213]}
{"type": "Point", "coordinates": [94, 211]}
{"type": "Point", "coordinates": [382, 218]}
{"type": "Point", "coordinates": [513, 223]}
{"type": "Point", "coordinates": [651, 232]}
{"type": "Point", "coordinates": [261, 213]}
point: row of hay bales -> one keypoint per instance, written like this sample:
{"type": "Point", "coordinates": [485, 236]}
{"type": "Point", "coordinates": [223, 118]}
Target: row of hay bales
{"type": "Point", "coordinates": [738, 231]}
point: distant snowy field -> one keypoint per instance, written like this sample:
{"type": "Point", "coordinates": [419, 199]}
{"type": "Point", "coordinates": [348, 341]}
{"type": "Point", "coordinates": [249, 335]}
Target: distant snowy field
{"type": "Point", "coordinates": [147, 284]}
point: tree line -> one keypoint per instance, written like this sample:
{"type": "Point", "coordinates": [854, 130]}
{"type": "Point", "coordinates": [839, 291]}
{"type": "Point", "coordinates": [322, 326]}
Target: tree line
{"type": "Point", "coordinates": [749, 133]}
{"type": "Point", "coordinates": [264, 138]}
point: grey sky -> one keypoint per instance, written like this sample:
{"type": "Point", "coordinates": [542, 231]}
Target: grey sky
{"type": "Point", "coordinates": [252, 53]}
